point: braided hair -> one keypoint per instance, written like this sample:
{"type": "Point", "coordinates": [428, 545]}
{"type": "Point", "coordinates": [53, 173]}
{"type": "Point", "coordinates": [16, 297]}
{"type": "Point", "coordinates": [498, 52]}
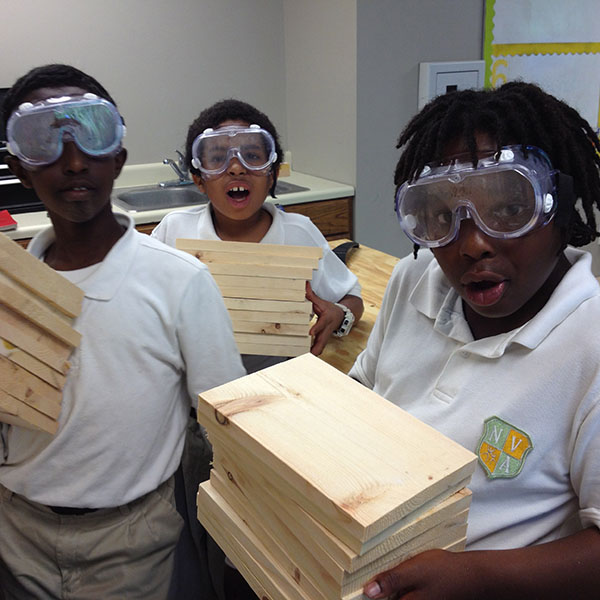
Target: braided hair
{"type": "Point", "coordinates": [515, 113]}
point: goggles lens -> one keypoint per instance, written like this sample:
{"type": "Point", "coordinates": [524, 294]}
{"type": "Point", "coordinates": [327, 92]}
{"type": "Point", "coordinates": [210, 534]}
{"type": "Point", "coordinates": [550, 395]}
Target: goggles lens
{"type": "Point", "coordinates": [507, 195]}
{"type": "Point", "coordinates": [35, 131]}
{"type": "Point", "coordinates": [213, 150]}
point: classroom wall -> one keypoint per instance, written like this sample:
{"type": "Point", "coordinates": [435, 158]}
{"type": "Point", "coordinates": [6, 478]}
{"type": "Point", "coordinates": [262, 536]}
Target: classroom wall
{"type": "Point", "coordinates": [162, 61]}
{"type": "Point", "coordinates": [320, 66]}
{"type": "Point", "coordinates": [393, 37]}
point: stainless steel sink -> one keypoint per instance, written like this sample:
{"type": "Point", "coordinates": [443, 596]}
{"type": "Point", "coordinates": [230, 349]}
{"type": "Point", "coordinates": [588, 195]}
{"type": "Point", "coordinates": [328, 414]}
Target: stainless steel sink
{"type": "Point", "coordinates": [156, 198]}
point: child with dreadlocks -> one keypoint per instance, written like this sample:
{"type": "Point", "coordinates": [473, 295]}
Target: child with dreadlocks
{"type": "Point", "coordinates": [486, 338]}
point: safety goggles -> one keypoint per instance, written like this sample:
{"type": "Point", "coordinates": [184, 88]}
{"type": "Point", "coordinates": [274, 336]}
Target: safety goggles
{"type": "Point", "coordinates": [36, 132]}
{"type": "Point", "coordinates": [213, 149]}
{"type": "Point", "coordinates": [507, 194]}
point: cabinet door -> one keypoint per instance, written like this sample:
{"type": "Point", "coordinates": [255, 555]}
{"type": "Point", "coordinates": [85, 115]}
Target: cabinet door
{"type": "Point", "coordinates": [332, 217]}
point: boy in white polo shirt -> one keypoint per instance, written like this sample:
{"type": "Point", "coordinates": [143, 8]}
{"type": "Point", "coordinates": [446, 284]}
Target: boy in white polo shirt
{"type": "Point", "coordinates": [89, 512]}
{"type": "Point", "coordinates": [490, 338]}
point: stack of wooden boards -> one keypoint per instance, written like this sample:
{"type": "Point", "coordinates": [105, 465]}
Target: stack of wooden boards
{"type": "Point", "coordinates": [318, 484]}
{"type": "Point", "coordinates": [37, 308]}
{"type": "Point", "coordinates": [264, 288]}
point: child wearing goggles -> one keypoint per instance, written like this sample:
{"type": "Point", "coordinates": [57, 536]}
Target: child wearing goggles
{"type": "Point", "coordinates": [90, 512]}
{"type": "Point", "coordinates": [486, 338]}
{"type": "Point", "coordinates": [234, 155]}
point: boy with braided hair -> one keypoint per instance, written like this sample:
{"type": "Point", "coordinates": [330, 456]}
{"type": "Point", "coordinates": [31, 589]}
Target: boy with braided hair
{"type": "Point", "coordinates": [486, 338]}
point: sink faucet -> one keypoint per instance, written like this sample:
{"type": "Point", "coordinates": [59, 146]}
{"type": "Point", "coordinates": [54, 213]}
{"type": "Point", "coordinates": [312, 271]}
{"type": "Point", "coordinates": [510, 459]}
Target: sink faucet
{"type": "Point", "coordinates": [180, 169]}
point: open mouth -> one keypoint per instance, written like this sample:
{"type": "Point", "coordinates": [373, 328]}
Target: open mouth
{"type": "Point", "coordinates": [485, 293]}
{"type": "Point", "coordinates": [238, 193]}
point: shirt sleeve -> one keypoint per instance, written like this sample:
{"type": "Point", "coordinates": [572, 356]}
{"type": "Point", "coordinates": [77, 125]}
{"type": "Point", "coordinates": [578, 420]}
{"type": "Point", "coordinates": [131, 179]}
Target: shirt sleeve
{"type": "Point", "coordinates": [206, 337]}
{"type": "Point", "coordinates": [585, 463]}
{"type": "Point", "coordinates": [365, 366]}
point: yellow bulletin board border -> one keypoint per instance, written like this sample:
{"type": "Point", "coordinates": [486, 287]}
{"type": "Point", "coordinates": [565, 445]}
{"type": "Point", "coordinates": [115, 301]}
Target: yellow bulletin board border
{"type": "Point", "coordinates": [493, 79]}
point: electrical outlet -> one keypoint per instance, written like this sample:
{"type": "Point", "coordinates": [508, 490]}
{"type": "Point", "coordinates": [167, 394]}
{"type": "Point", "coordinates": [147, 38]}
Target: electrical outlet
{"type": "Point", "coordinates": [436, 78]}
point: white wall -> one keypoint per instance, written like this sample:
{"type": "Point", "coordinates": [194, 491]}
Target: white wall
{"type": "Point", "coordinates": [320, 66]}
{"type": "Point", "coordinates": [163, 61]}
{"type": "Point", "coordinates": [394, 36]}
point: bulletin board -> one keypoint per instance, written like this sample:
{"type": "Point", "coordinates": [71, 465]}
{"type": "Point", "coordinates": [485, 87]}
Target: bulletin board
{"type": "Point", "coordinates": [553, 43]}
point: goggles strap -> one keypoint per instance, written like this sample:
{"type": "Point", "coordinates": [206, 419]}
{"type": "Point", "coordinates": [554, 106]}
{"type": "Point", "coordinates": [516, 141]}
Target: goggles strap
{"type": "Point", "coordinates": [565, 199]}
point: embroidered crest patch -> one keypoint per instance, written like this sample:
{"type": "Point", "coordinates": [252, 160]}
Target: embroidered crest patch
{"type": "Point", "coordinates": [502, 448]}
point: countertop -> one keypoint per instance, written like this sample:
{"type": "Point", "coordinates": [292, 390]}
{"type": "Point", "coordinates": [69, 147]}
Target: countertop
{"type": "Point", "coordinates": [149, 174]}
{"type": "Point", "coordinates": [373, 269]}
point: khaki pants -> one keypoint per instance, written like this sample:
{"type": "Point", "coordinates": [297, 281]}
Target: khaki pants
{"type": "Point", "coordinates": [124, 552]}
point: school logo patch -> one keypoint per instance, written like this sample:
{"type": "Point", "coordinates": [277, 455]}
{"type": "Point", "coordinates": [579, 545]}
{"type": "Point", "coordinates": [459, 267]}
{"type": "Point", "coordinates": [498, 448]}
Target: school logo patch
{"type": "Point", "coordinates": [502, 449]}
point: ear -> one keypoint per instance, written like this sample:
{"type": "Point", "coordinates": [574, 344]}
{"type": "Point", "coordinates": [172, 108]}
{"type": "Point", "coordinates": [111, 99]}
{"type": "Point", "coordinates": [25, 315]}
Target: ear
{"type": "Point", "coordinates": [120, 159]}
{"type": "Point", "coordinates": [199, 182]}
{"type": "Point", "coordinates": [17, 168]}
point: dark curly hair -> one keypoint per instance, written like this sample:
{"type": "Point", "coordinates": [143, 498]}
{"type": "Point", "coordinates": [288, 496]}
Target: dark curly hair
{"type": "Point", "coordinates": [515, 113]}
{"type": "Point", "coordinates": [52, 75]}
{"type": "Point", "coordinates": [232, 110]}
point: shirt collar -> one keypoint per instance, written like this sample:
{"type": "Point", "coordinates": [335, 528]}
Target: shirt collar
{"type": "Point", "coordinates": [436, 298]}
{"type": "Point", "coordinates": [115, 267]}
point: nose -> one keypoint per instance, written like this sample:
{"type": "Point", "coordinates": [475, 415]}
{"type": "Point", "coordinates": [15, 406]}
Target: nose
{"type": "Point", "coordinates": [235, 167]}
{"type": "Point", "coordinates": [73, 159]}
{"type": "Point", "coordinates": [473, 242]}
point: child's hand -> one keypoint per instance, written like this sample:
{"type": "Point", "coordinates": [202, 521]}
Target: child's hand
{"type": "Point", "coordinates": [329, 318]}
{"type": "Point", "coordinates": [431, 575]}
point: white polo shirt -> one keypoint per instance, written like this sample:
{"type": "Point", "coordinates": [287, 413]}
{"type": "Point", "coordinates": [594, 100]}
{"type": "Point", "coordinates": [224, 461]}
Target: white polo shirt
{"type": "Point", "coordinates": [537, 387]}
{"type": "Point", "coordinates": [155, 333]}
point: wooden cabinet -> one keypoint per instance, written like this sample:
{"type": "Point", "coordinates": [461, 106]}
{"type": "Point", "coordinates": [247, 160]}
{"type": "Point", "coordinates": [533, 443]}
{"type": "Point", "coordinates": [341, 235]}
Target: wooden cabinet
{"type": "Point", "coordinates": [332, 217]}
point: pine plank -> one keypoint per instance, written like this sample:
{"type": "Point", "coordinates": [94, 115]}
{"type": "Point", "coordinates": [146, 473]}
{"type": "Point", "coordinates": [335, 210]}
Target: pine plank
{"type": "Point", "coordinates": [243, 258]}
{"type": "Point", "coordinates": [22, 301]}
{"type": "Point", "coordinates": [241, 326]}
{"type": "Point", "coordinates": [32, 364]}
{"type": "Point", "coordinates": [32, 339]}
{"type": "Point", "coordinates": [258, 249]}
{"type": "Point", "coordinates": [233, 472]}
{"type": "Point", "coordinates": [35, 275]}
{"type": "Point", "coordinates": [266, 339]}
{"type": "Point", "coordinates": [15, 412]}
{"type": "Point", "coordinates": [275, 317]}
{"type": "Point", "coordinates": [261, 294]}
{"type": "Point", "coordinates": [272, 349]}
{"type": "Point", "coordinates": [386, 462]}
{"type": "Point", "coordinates": [236, 463]}
{"type": "Point", "coordinates": [28, 388]}
{"type": "Point", "coordinates": [267, 271]}
{"type": "Point", "coordinates": [260, 282]}
{"type": "Point", "coordinates": [304, 307]}
{"type": "Point", "coordinates": [236, 538]}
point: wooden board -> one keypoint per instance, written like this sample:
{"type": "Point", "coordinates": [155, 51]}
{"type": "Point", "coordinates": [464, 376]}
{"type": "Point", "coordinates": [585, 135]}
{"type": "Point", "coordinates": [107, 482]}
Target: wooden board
{"type": "Point", "coordinates": [232, 471]}
{"type": "Point", "coordinates": [19, 299]}
{"type": "Point", "coordinates": [262, 278]}
{"type": "Point", "coordinates": [23, 334]}
{"type": "Point", "coordinates": [386, 462]}
{"type": "Point", "coordinates": [32, 364]}
{"type": "Point", "coordinates": [15, 412]}
{"type": "Point", "coordinates": [29, 389]}
{"type": "Point", "coordinates": [233, 534]}
{"type": "Point", "coordinates": [38, 277]}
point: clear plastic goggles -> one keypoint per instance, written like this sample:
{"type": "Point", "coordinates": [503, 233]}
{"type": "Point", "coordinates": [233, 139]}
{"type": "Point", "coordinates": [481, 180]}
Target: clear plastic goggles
{"type": "Point", "coordinates": [507, 194]}
{"type": "Point", "coordinates": [36, 132]}
{"type": "Point", "coordinates": [213, 150]}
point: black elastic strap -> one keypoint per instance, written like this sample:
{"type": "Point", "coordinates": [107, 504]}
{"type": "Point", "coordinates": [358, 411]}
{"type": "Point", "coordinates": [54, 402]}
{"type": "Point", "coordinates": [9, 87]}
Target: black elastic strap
{"type": "Point", "coordinates": [342, 250]}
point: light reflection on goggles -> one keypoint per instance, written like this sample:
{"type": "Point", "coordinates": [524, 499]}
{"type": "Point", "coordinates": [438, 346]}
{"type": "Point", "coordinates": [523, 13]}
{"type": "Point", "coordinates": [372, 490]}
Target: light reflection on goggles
{"type": "Point", "coordinates": [213, 150]}
{"type": "Point", "coordinates": [35, 132]}
{"type": "Point", "coordinates": [507, 194]}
